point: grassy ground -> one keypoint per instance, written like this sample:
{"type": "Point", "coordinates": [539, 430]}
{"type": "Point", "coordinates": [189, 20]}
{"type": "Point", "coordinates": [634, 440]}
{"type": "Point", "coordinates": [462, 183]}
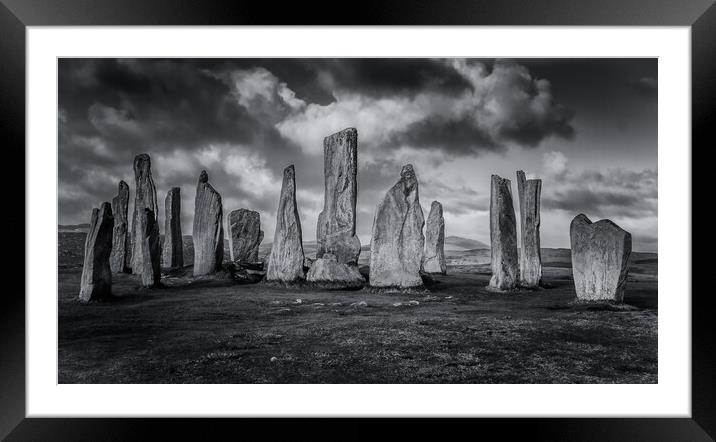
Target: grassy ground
{"type": "Point", "coordinates": [211, 331]}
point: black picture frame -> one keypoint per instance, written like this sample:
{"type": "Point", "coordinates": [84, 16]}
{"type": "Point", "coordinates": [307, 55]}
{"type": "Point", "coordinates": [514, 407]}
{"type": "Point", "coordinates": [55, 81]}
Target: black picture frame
{"type": "Point", "coordinates": [16, 15]}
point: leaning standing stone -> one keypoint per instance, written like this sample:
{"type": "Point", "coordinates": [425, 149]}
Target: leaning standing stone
{"type": "Point", "coordinates": [396, 248]}
{"type": "Point", "coordinates": [145, 197]}
{"type": "Point", "coordinates": [208, 232]}
{"type": "Point", "coordinates": [96, 282]}
{"type": "Point", "coordinates": [434, 259]}
{"type": "Point", "coordinates": [119, 258]}
{"type": "Point", "coordinates": [148, 247]}
{"type": "Point", "coordinates": [600, 259]}
{"type": "Point", "coordinates": [286, 259]}
{"type": "Point", "coordinates": [531, 256]}
{"type": "Point", "coordinates": [245, 235]}
{"type": "Point", "coordinates": [173, 251]}
{"type": "Point", "coordinates": [335, 233]}
{"type": "Point", "coordinates": [503, 235]}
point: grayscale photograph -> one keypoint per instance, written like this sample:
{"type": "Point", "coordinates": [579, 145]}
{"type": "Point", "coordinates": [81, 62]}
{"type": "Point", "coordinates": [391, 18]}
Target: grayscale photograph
{"type": "Point", "coordinates": [357, 221]}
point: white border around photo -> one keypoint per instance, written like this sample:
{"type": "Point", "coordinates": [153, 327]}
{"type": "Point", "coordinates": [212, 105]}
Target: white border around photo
{"type": "Point", "coordinates": [669, 397]}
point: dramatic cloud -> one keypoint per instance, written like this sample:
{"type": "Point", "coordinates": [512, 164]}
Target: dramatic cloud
{"type": "Point", "coordinates": [244, 120]}
{"type": "Point", "coordinates": [646, 87]}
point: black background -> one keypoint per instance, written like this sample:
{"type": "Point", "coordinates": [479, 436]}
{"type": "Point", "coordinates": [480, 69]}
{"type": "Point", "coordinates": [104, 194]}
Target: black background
{"type": "Point", "coordinates": [15, 15]}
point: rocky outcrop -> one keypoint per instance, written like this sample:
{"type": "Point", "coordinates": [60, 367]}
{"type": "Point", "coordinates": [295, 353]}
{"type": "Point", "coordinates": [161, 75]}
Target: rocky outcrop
{"type": "Point", "coordinates": [503, 235]}
{"type": "Point", "coordinates": [327, 271]}
{"type": "Point", "coordinates": [148, 247]}
{"type": "Point", "coordinates": [530, 256]}
{"type": "Point", "coordinates": [208, 228]}
{"type": "Point", "coordinates": [335, 233]}
{"type": "Point", "coordinates": [173, 251]}
{"type": "Point", "coordinates": [286, 259]}
{"type": "Point", "coordinates": [245, 235]}
{"type": "Point", "coordinates": [96, 281]}
{"type": "Point", "coordinates": [397, 241]}
{"type": "Point", "coordinates": [119, 258]}
{"type": "Point", "coordinates": [434, 258]}
{"type": "Point", "coordinates": [600, 259]}
{"type": "Point", "coordinates": [145, 197]}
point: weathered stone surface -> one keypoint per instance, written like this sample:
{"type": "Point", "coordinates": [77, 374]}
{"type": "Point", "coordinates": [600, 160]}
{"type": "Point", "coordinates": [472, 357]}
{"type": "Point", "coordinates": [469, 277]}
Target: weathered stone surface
{"type": "Point", "coordinates": [245, 235]}
{"type": "Point", "coordinates": [530, 257]}
{"type": "Point", "coordinates": [145, 197]}
{"type": "Point", "coordinates": [600, 259]}
{"type": "Point", "coordinates": [335, 233]}
{"type": "Point", "coordinates": [434, 258]}
{"type": "Point", "coordinates": [396, 248]}
{"type": "Point", "coordinates": [96, 282]}
{"type": "Point", "coordinates": [119, 258]}
{"type": "Point", "coordinates": [286, 258]}
{"type": "Point", "coordinates": [208, 229]}
{"type": "Point", "coordinates": [327, 270]}
{"type": "Point", "coordinates": [173, 251]}
{"type": "Point", "coordinates": [503, 235]}
{"type": "Point", "coordinates": [148, 247]}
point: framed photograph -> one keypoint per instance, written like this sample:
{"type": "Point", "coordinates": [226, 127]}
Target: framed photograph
{"type": "Point", "coordinates": [456, 212]}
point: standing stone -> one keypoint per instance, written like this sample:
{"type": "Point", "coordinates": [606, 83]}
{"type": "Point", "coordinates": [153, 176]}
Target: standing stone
{"type": "Point", "coordinates": [245, 235]}
{"type": "Point", "coordinates": [208, 233]}
{"type": "Point", "coordinates": [96, 282]}
{"type": "Point", "coordinates": [145, 197]}
{"type": "Point", "coordinates": [396, 248]}
{"type": "Point", "coordinates": [173, 252]}
{"type": "Point", "coordinates": [336, 229]}
{"type": "Point", "coordinates": [119, 258]}
{"type": "Point", "coordinates": [600, 259]}
{"type": "Point", "coordinates": [531, 256]}
{"type": "Point", "coordinates": [286, 259]}
{"type": "Point", "coordinates": [434, 259]}
{"type": "Point", "coordinates": [148, 247]}
{"type": "Point", "coordinates": [503, 235]}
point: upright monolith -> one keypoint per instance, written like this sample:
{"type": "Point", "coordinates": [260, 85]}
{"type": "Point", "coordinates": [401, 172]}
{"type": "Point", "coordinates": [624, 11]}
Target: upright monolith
{"type": "Point", "coordinates": [335, 233]}
{"type": "Point", "coordinates": [245, 235]}
{"type": "Point", "coordinates": [600, 259]}
{"type": "Point", "coordinates": [530, 256]}
{"type": "Point", "coordinates": [173, 250]}
{"type": "Point", "coordinates": [145, 197]}
{"type": "Point", "coordinates": [208, 232]}
{"type": "Point", "coordinates": [119, 258]}
{"type": "Point", "coordinates": [96, 281]}
{"type": "Point", "coordinates": [286, 259]}
{"type": "Point", "coordinates": [396, 248]}
{"type": "Point", "coordinates": [503, 235]}
{"type": "Point", "coordinates": [149, 248]}
{"type": "Point", "coordinates": [434, 258]}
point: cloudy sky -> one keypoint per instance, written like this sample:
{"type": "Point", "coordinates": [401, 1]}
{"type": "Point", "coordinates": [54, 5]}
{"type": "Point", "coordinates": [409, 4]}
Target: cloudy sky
{"type": "Point", "coordinates": [587, 127]}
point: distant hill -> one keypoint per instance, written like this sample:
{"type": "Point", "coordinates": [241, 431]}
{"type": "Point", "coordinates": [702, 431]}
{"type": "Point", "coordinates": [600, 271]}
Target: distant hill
{"type": "Point", "coordinates": [460, 243]}
{"type": "Point", "coordinates": [73, 228]}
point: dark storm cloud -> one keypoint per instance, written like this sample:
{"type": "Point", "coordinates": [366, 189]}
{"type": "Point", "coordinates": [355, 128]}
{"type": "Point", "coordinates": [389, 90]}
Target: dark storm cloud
{"type": "Point", "coordinates": [611, 193]}
{"type": "Point", "coordinates": [380, 77]}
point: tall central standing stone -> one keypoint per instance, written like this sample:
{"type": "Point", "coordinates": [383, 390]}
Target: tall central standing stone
{"type": "Point", "coordinates": [396, 248]}
{"type": "Point", "coordinates": [434, 259]}
{"type": "Point", "coordinates": [149, 249]}
{"type": "Point", "coordinates": [336, 229]}
{"type": "Point", "coordinates": [96, 282]}
{"type": "Point", "coordinates": [245, 235]}
{"type": "Point", "coordinates": [531, 257]}
{"type": "Point", "coordinates": [208, 232]}
{"type": "Point", "coordinates": [286, 259]}
{"type": "Point", "coordinates": [173, 252]}
{"type": "Point", "coordinates": [145, 197]}
{"type": "Point", "coordinates": [119, 258]}
{"type": "Point", "coordinates": [600, 259]}
{"type": "Point", "coordinates": [503, 235]}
